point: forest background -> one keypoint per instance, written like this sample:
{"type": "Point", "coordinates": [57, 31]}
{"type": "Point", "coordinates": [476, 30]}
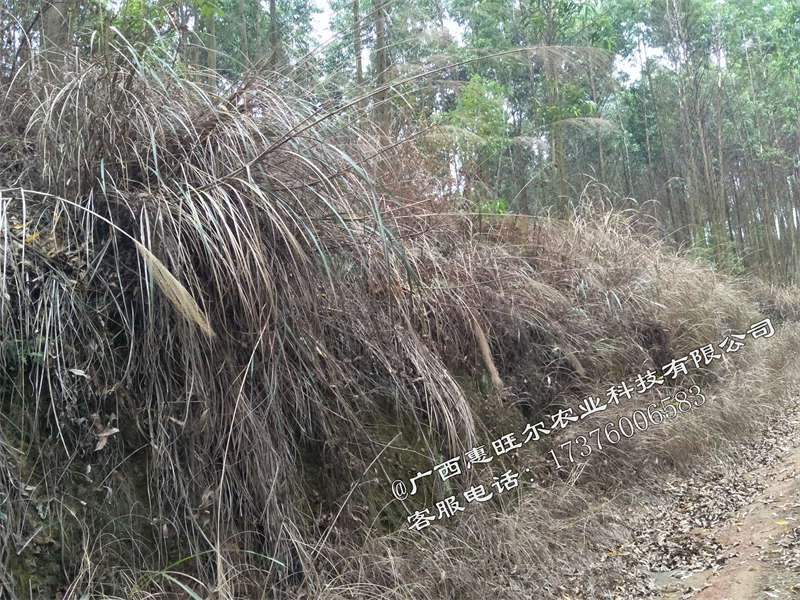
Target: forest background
{"type": "Point", "coordinates": [687, 110]}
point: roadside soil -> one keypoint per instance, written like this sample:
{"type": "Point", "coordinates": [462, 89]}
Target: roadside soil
{"type": "Point", "coordinates": [728, 532]}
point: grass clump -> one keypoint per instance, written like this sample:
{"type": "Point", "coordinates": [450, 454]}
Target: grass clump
{"type": "Point", "coordinates": [223, 294]}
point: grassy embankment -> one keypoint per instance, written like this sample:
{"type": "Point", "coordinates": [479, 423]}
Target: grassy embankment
{"type": "Point", "coordinates": [216, 315]}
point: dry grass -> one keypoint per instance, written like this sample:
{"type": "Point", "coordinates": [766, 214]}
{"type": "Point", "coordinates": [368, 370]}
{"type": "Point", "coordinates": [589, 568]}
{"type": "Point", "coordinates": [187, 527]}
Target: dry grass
{"type": "Point", "coordinates": [551, 539]}
{"type": "Point", "coordinates": [272, 329]}
{"type": "Point", "coordinates": [780, 302]}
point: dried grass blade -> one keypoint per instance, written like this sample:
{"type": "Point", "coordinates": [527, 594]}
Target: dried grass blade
{"type": "Point", "coordinates": [174, 290]}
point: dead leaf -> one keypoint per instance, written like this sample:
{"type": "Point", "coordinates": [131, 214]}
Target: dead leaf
{"type": "Point", "coordinates": [207, 498]}
{"type": "Point", "coordinates": [103, 437]}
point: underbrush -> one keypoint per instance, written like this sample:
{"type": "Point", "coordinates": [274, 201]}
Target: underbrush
{"type": "Point", "coordinates": [225, 335]}
{"type": "Point", "coordinates": [554, 536]}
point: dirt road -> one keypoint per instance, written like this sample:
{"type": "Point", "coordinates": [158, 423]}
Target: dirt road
{"type": "Point", "coordinates": [732, 534]}
{"type": "Point", "coordinates": [761, 544]}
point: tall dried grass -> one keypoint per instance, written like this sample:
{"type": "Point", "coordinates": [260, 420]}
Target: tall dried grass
{"type": "Point", "coordinates": [251, 319]}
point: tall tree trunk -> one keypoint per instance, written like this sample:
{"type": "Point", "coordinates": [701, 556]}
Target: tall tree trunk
{"type": "Point", "coordinates": [668, 159]}
{"type": "Point", "coordinates": [737, 204]}
{"type": "Point", "coordinates": [722, 204]}
{"type": "Point", "coordinates": [357, 45]}
{"type": "Point", "coordinates": [274, 44]}
{"type": "Point", "coordinates": [598, 138]}
{"type": "Point", "coordinates": [693, 220]}
{"type": "Point", "coordinates": [519, 164]}
{"type": "Point", "coordinates": [54, 26]}
{"type": "Point", "coordinates": [628, 175]}
{"type": "Point", "coordinates": [258, 50]}
{"type": "Point", "coordinates": [196, 43]}
{"type": "Point", "coordinates": [243, 31]}
{"type": "Point", "coordinates": [212, 53]}
{"type": "Point", "coordinates": [650, 170]}
{"type": "Point", "coordinates": [715, 220]}
{"type": "Point", "coordinates": [381, 113]}
{"type": "Point", "coordinates": [183, 18]}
